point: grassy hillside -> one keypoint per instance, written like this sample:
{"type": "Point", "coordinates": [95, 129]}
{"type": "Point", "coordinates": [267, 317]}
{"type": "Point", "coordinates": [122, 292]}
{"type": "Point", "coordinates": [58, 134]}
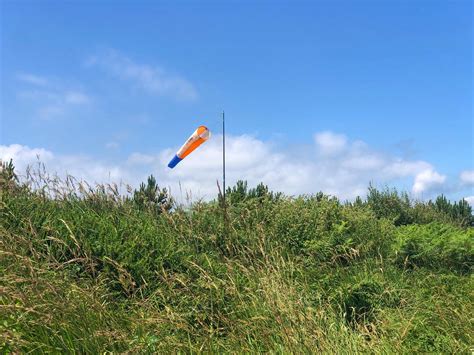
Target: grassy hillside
{"type": "Point", "coordinates": [89, 270]}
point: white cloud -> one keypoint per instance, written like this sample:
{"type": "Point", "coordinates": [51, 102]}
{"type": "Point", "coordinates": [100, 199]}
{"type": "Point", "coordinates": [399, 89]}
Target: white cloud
{"type": "Point", "coordinates": [23, 155]}
{"type": "Point", "coordinates": [467, 177]}
{"type": "Point", "coordinates": [153, 79]}
{"type": "Point", "coordinates": [81, 167]}
{"type": "Point", "coordinates": [345, 172]}
{"type": "Point", "coordinates": [330, 143]}
{"type": "Point", "coordinates": [402, 167]}
{"type": "Point", "coordinates": [427, 180]}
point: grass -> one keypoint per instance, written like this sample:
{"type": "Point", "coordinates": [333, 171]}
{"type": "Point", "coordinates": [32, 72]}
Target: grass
{"type": "Point", "coordinates": [88, 270]}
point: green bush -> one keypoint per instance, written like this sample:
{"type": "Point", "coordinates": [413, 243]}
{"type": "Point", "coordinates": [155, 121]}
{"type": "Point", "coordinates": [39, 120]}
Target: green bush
{"type": "Point", "coordinates": [358, 235]}
{"type": "Point", "coordinates": [151, 197]}
{"type": "Point", "coordinates": [435, 245]}
{"type": "Point", "coordinates": [400, 209]}
{"type": "Point", "coordinates": [391, 205]}
{"type": "Point", "coordinates": [304, 219]}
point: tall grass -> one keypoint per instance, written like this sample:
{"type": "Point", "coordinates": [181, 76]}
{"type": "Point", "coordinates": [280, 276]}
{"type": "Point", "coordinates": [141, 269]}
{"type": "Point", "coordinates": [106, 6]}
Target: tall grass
{"type": "Point", "coordinates": [87, 269]}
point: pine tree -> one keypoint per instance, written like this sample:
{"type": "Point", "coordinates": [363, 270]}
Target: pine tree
{"type": "Point", "coordinates": [150, 196]}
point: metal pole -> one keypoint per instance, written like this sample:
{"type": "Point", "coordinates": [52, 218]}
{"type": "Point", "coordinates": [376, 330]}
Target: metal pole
{"type": "Point", "coordinates": [224, 204]}
{"type": "Point", "coordinates": [223, 155]}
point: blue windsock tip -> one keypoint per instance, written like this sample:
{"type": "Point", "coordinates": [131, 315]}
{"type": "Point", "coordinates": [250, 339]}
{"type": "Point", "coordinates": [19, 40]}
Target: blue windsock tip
{"type": "Point", "coordinates": [173, 162]}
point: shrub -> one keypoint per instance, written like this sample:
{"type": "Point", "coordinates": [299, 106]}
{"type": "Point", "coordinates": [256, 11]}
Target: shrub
{"type": "Point", "coordinates": [391, 205]}
{"type": "Point", "coordinates": [308, 218]}
{"type": "Point", "coordinates": [399, 208]}
{"type": "Point", "coordinates": [240, 192]}
{"type": "Point", "coordinates": [152, 197]}
{"type": "Point", "coordinates": [435, 245]}
{"type": "Point", "coordinates": [358, 234]}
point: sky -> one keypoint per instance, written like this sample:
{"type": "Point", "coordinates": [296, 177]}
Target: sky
{"type": "Point", "coordinates": [319, 96]}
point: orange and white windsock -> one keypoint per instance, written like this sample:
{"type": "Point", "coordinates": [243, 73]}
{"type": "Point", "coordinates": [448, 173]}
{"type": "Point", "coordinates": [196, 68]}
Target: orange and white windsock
{"type": "Point", "coordinates": [199, 136]}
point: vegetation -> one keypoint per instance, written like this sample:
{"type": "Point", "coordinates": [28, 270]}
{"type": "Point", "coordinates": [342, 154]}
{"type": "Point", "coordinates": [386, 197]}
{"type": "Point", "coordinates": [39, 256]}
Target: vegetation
{"type": "Point", "coordinates": [91, 270]}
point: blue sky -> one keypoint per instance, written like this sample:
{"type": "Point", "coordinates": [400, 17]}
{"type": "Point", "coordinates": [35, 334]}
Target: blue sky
{"type": "Point", "coordinates": [334, 94]}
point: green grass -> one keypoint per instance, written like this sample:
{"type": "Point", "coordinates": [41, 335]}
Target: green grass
{"type": "Point", "coordinates": [90, 271]}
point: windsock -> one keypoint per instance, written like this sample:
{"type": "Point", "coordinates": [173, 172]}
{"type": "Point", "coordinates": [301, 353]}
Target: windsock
{"type": "Point", "coordinates": [199, 136]}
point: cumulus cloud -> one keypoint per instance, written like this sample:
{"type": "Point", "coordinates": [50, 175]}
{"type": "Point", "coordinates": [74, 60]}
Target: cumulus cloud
{"type": "Point", "coordinates": [467, 177]}
{"type": "Point", "coordinates": [152, 79]}
{"type": "Point", "coordinates": [427, 180]}
{"type": "Point", "coordinates": [337, 166]}
{"type": "Point", "coordinates": [23, 155]}
{"type": "Point", "coordinates": [81, 167]}
{"type": "Point", "coordinates": [330, 143]}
